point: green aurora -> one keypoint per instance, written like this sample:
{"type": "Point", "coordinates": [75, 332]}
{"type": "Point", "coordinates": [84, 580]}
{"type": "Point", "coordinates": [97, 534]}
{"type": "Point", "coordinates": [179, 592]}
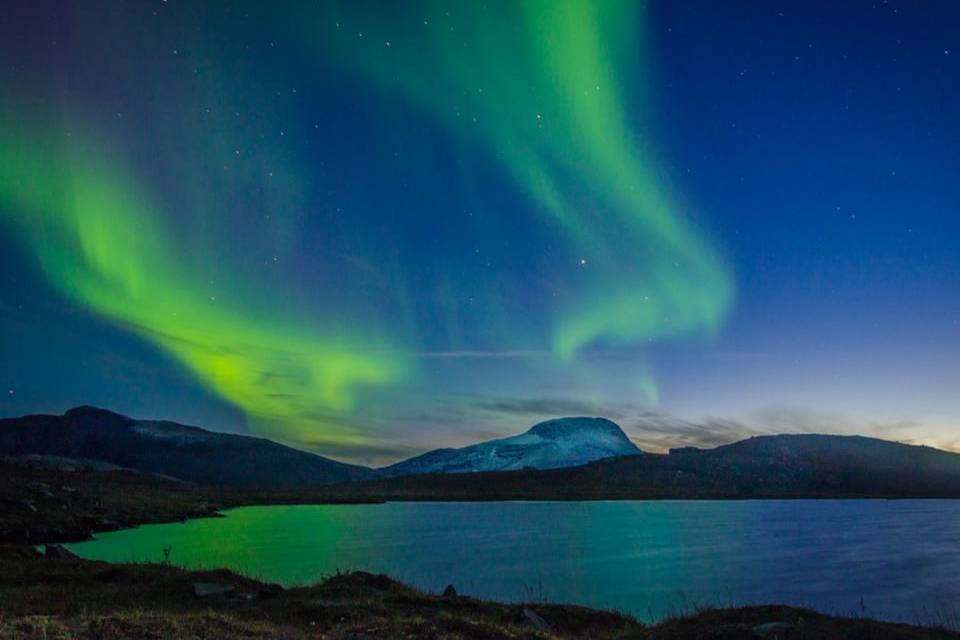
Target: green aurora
{"type": "Point", "coordinates": [540, 87]}
{"type": "Point", "coordinates": [102, 243]}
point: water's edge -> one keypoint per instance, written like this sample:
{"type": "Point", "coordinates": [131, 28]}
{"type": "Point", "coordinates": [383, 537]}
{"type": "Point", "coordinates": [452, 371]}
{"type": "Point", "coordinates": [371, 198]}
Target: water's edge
{"type": "Point", "coordinates": [884, 559]}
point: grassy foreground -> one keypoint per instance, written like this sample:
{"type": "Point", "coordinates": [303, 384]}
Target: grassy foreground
{"type": "Point", "coordinates": [65, 598]}
{"type": "Point", "coordinates": [51, 598]}
{"type": "Point", "coordinates": [58, 598]}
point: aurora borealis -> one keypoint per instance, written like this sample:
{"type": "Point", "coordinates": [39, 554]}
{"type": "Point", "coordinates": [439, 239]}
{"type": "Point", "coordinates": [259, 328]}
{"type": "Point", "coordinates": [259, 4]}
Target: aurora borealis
{"type": "Point", "coordinates": [103, 244]}
{"type": "Point", "coordinates": [543, 85]}
{"type": "Point", "coordinates": [370, 230]}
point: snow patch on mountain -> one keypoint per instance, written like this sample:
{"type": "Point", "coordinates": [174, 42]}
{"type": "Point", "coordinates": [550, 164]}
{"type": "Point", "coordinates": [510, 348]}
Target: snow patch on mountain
{"type": "Point", "coordinates": [563, 442]}
{"type": "Point", "coordinates": [170, 432]}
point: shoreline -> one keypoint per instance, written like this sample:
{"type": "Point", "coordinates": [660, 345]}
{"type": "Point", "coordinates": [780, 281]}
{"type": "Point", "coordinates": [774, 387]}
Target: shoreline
{"type": "Point", "coordinates": [71, 597]}
{"type": "Point", "coordinates": [65, 597]}
{"type": "Point", "coordinates": [45, 505]}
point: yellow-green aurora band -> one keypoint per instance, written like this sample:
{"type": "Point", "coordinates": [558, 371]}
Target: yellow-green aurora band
{"type": "Point", "coordinates": [102, 243]}
{"type": "Point", "coordinates": [540, 85]}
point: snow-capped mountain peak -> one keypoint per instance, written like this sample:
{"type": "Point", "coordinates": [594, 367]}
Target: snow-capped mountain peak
{"type": "Point", "coordinates": [563, 442]}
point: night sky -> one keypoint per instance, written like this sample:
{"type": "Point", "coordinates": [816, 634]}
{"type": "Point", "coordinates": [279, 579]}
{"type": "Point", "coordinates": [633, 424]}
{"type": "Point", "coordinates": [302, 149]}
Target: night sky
{"type": "Point", "coordinates": [370, 229]}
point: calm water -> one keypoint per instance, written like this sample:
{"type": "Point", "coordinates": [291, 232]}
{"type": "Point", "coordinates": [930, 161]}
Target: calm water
{"type": "Point", "coordinates": [901, 558]}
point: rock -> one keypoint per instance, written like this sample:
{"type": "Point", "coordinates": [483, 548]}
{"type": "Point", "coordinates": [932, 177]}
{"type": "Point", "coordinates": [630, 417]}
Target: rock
{"type": "Point", "coordinates": [775, 631]}
{"type": "Point", "coordinates": [59, 552]}
{"type": "Point", "coordinates": [535, 619]}
{"type": "Point", "coordinates": [207, 589]}
{"type": "Point", "coordinates": [450, 592]}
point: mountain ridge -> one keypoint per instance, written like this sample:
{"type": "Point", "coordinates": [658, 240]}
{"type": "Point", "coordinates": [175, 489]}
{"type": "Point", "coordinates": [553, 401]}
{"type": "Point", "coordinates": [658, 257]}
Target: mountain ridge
{"type": "Point", "coordinates": [198, 455]}
{"type": "Point", "coordinates": [767, 466]}
{"type": "Point", "coordinates": [761, 467]}
{"type": "Point", "coordinates": [182, 451]}
{"type": "Point", "coordinates": [560, 442]}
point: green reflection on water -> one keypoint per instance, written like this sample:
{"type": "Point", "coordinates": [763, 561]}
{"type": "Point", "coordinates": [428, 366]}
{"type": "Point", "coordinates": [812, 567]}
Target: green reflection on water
{"type": "Point", "coordinates": [646, 558]}
{"type": "Point", "coordinates": [250, 540]}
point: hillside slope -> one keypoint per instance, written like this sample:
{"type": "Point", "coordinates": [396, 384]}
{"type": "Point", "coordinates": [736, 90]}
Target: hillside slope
{"type": "Point", "coordinates": [564, 442]}
{"type": "Point", "coordinates": [187, 453]}
{"type": "Point", "coordinates": [784, 466]}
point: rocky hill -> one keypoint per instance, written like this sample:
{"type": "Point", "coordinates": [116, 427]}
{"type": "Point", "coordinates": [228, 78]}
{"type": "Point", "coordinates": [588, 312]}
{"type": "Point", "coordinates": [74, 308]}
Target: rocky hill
{"type": "Point", "coordinates": [171, 449]}
{"type": "Point", "coordinates": [564, 442]}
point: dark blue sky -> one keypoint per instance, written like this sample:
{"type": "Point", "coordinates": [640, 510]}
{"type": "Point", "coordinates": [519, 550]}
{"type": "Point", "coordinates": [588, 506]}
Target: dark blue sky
{"type": "Point", "coordinates": [373, 249]}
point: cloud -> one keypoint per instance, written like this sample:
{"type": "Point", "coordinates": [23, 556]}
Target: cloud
{"type": "Point", "coordinates": [791, 419]}
{"type": "Point", "coordinates": [483, 354]}
{"type": "Point", "coordinates": [365, 453]}
{"type": "Point", "coordinates": [652, 430]}
{"type": "Point", "coordinates": [546, 406]}
{"type": "Point", "coordinates": [932, 430]}
{"type": "Point", "coordinates": [458, 420]}
{"type": "Point", "coordinates": [656, 432]}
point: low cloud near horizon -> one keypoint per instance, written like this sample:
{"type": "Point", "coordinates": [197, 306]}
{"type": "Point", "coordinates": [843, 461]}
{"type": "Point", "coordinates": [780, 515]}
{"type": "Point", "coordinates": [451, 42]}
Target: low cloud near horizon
{"type": "Point", "coordinates": [464, 420]}
{"type": "Point", "coordinates": [657, 431]}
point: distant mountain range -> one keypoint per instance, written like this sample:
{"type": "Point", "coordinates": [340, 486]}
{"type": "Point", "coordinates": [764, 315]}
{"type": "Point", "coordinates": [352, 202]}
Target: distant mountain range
{"type": "Point", "coordinates": [564, 442]}
{"type": "Point", "coordinates": [779, 466]}
{"type": "Point", "coordinates": [567, 458]}
{"type": "Point", "coordinates": [207, 457]}
{"type": "Point", "coordinates": [187, 453]}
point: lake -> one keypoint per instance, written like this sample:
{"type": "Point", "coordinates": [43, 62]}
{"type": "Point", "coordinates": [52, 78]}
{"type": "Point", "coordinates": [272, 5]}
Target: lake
{"type": "Point", "coordinates": [894, 560]}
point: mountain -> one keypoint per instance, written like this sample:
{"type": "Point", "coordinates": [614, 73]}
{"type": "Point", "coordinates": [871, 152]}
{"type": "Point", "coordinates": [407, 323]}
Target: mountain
{"type": "Point", "coordinates": [564, 442]}
{"type": "Point", "coordinates": [187, 453]}
{"type": "Point", "coordinates": [782, 466]}
{"type": "Point", "coordinates": [206, 457]}
{"type": "Point", "coordinates": [565, 459]}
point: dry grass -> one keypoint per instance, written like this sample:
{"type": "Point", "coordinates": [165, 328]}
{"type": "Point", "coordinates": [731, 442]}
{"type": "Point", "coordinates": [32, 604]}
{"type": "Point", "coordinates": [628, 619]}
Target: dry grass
{"type": "Point", "coordinates": [42, 597]}
{"type": "Point", "coordinates": [59, 599]}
